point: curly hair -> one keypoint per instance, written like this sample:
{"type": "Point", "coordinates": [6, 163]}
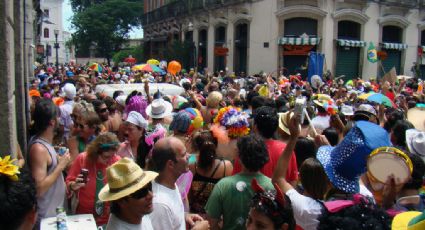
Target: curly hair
{"type": "Point", "coordinates": [17, 199]}
{"type": "Point", "coordinates": [266, 203]}
{"type": "Point", "coordinates": [104, 142]}
{"type": "Point", "coordinates": [253, 153]}
{"type": "Point", "coordinates": [266, 121]}
{"type": "Point", "coordinates": [365, 216]}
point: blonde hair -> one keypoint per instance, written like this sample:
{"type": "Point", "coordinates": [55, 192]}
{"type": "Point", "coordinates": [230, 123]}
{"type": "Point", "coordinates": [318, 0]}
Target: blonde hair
{"type": "Point", "coordinates": [94, 149]}
{"type": "Point", "coordinates": [213, 100]}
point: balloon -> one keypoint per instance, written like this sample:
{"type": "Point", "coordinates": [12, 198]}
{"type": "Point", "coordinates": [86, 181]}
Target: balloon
{"type": "Point", "coordinates": [174, 67]}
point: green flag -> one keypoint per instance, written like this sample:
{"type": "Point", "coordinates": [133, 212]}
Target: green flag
{"type": "Point", "coordinates": [371, 53]}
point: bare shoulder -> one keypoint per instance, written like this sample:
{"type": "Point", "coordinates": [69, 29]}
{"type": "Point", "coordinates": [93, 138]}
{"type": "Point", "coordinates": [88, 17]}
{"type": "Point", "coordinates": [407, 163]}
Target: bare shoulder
{"type": "Point", "coordinates": [39, 153]}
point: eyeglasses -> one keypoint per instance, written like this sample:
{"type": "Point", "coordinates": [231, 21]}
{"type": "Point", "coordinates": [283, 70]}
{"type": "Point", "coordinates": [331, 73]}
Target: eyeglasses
{"type": "Point", "coordinates": [141, 193]}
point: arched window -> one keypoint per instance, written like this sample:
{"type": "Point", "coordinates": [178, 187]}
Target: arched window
{"type": "Point", "coordinates": [46, 32]}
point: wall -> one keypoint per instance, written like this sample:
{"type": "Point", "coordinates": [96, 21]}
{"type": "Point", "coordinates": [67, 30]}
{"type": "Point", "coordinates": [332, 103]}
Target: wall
{"type": "Point", "coordinates": [9, 24]}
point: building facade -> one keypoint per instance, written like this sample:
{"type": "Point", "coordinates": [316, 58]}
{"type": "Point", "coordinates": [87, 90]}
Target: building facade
{"type": "Point", "coordinates": [52, 21]}
{"type": "Point", "coordinates": [271, 35]}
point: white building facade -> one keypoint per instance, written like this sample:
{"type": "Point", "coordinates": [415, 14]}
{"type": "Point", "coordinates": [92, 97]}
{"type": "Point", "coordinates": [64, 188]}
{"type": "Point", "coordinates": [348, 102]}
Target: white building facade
{"type": "Point", "coordinates": [269, 35]}
{"type": "Point", "coordinates": [52, 20]}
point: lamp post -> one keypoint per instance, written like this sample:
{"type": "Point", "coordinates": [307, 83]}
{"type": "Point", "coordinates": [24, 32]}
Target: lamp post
{"type": "Point", "coordinates": [57, 49]}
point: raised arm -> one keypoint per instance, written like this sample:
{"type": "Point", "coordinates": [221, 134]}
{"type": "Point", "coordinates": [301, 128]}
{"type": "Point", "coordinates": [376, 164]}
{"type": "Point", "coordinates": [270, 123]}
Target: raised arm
{"type": "Point", "coordinates": [283, 162]}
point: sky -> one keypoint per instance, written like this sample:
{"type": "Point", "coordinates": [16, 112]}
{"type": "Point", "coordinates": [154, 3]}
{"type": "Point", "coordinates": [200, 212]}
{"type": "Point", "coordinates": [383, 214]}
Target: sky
{"type": "Point", "coordinates": [67, 14]}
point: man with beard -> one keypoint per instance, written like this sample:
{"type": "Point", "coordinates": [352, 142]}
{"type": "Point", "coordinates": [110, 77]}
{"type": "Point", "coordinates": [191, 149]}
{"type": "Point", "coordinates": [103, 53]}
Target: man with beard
{"type": "Point", "coordinates": [45, 164]}
{"type": "Point", "coordinates": [103, 113]}
{"type": "Point", "coordinates": [130, 190]}
{"type": "Point", "coordinates": [170, 159]}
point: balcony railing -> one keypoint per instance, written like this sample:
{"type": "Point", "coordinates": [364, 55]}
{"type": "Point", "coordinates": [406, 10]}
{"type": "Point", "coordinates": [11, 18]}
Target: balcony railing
{"type": "Point", "coordinates": [184, 8]}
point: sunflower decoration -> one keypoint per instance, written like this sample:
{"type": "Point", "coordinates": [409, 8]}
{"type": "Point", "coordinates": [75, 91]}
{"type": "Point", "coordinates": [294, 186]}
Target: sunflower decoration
{"type": "Point", "coordinates": [235, 121]}
{"type": "Point", "coordinates": [7, 168]}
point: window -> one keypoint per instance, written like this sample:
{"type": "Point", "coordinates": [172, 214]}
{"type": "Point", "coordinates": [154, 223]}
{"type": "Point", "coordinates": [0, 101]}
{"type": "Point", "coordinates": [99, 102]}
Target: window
{"type": "Point", "coordinates": [46, 32]}
{"type": "Point", "coordinates": [49, 50]}
{"type": "Point", "coordinates": [46, 13]}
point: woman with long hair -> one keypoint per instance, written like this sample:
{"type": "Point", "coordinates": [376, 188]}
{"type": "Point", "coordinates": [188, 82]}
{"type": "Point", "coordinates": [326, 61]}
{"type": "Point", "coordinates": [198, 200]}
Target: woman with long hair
{"type": "Point", "coordinates": [87, 176]}
{"type": "Point", "coordinates": [208, 169]}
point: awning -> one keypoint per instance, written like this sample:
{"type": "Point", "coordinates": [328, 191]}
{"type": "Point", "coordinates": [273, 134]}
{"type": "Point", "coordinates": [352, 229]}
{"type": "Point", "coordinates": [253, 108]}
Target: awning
{"type": "Point", "coordinates": [351, 43]}
{"type": "Point", "coordinates": [394, 46]}
{"type": "Point", "coordinates": [298, 41]}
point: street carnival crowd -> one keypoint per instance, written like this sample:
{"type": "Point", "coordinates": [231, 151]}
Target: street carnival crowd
{"type": "Point", "coordinates": [265, 151]}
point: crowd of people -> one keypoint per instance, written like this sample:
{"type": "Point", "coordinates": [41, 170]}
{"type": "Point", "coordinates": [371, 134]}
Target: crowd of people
{"type": "Point", "coordinates": [231, 152]}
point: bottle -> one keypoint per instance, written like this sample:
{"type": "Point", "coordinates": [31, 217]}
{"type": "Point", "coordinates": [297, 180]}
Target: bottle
{"type": "Point", "coordinates": [61, 219]}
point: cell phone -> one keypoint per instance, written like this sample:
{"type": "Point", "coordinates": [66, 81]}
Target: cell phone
{"type": "Point", "coordinates": [300, 106]}
{"type": "Point", "coordinates": [62, 150]}
{"type": "Point", "coordinates": [85, 173]}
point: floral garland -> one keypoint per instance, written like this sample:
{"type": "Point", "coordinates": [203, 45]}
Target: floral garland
{"type": "Point", "coordinates": [234, 120]}
{"type": "Point", "coordinates": [8, 169]}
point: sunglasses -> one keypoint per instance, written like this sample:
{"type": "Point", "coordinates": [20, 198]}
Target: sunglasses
{"type": "Point", "coordinates": [143, 192]}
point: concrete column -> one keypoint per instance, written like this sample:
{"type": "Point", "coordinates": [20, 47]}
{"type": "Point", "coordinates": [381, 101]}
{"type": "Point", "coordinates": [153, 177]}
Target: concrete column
{"type": "Point", "coordinates": [210, 47]}
{"type": "Point", "coordinates": [196, 42]}
{"type": "Point", "coordinates": [411, 39]}
{"type": "Point", "coordinates": [327, 35]}
{"type": "Point", "coordinates": [20, 79]}
{"type": "Point", "coordinates": [371, 34]}
{"type": "Point", "coordinates": [230, 43]}
{"type": "Point", "coordinates": [7, 75]}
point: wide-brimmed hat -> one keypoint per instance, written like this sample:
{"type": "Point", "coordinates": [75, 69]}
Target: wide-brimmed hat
{"type": "Point", "coordinates": [124, 178]}
{"type": "Point", "coordinates": [416, 117]}
{"type": "Point", "coordinates": [159, 108]}
{"type": "Point", "coordinates": [347, 110]}
{"type": "Point", "coordinates": [415, 141]}
{"type": "Point", "coordinates": [283, 119]}
{"type": "Point", "coordinates": [411, 220]}
{"type": "Point", "coordinates": [345, 162]}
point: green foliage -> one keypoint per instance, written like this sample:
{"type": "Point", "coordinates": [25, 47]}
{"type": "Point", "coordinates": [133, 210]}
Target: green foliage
{"type": "Point", "coordinates": [179, 51]}
{"type": "Point", "coordinates": [136, 52]}
{"type": "Point", "coordinates": [105, 23]}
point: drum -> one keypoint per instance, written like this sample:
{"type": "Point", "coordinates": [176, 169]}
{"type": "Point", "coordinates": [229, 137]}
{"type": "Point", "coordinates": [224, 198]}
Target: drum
{"type": "Point", "coordinates": [386, 161]}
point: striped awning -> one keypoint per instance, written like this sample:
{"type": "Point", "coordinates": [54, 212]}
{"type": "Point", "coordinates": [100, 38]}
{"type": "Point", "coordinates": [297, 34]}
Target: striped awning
{"type": "Point", "coordinates": [351, 43]}
{"type": "Point", "coordinates": [394, 46]}
{"type": "Point", "coordinates": [298, 41]}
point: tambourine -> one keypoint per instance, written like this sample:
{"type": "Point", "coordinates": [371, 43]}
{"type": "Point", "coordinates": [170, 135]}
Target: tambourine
{"type": "Point", "coordinates": [386, 161]}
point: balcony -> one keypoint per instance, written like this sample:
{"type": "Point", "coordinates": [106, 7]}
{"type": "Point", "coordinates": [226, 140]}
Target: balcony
{"type": "Point", "coordinates": [184, 8]}
{"type": "Point", "coordinates": [403, 3]}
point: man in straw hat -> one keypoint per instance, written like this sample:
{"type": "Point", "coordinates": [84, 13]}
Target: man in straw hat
{"type": "Point", "coordinates": [170, 159]}
{"type": "Point", "coordinates": [129, 189]}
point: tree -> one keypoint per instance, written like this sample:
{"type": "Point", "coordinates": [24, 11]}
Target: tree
{"type": "Point", "coordinates": [105, 23]}
{"type": "Point", "coordinates": [136, 52]}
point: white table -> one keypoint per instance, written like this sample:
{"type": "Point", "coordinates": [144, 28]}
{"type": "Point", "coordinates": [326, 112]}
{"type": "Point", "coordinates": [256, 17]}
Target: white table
{"type": "Point", "coordinates": [75, 222]}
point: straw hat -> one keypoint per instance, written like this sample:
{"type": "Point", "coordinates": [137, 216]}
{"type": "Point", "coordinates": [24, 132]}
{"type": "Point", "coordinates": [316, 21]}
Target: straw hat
{"type": "Point", "coordinates": [283, 118]}
{"type": "Point", "coordinates": [124, 178]}
{"type": "Point", "coordinates": [416, 116]}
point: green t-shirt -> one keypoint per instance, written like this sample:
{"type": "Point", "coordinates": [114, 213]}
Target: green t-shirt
{"type": "Point", "coordinates": [231, 198]}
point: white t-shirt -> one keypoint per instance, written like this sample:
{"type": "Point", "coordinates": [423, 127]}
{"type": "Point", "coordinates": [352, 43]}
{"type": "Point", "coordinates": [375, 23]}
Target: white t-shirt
{"type": "Point", "coordinates": [307, 210]}
{"type": "Point", "coordinates": [115, 223]}
{"type": "Point", "coordinates": [168, 209]}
